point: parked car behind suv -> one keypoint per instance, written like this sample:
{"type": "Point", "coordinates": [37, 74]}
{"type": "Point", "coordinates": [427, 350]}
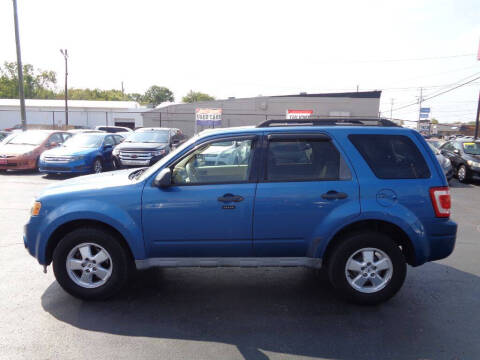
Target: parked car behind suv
{"type": "Point", "coordinates": [361, 201]}
{"type": "Point", "coordinates": [83, 153]}
{"type": "Point", "coordinates": [443, 161]}
{"type": "Point", "coordinates": [465, 158]}
{"type": "Point", "coordinates": [22, 150]}
{"type": "Point", "coordinates": [146, 146]}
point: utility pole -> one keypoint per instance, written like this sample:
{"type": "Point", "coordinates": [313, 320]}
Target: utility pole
{"type": "Point", "coordinates": [123, 91]}
{"type": "Point", "coordinates": [20, 69]}
{"type": "Point", "coordinates": [420, 99]}
{"type": "Point", "coordinates": [477, 119]}
{"type": "Point", "coordinates": [391, 109]}
{"type": "Point", "coordinates": [65, 55]}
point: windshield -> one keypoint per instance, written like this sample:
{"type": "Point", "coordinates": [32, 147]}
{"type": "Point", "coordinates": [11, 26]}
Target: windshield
{"type": "Point", "coordinates": [471, 148]}
{"type": "Point", "coordinates": [152, 169]}
{"type": "Point", "coordinates": [85, 141]}
{"type": "Point", "coordinates": [29, 138]}
{"type": "Point", "coordinates": [149, 137]}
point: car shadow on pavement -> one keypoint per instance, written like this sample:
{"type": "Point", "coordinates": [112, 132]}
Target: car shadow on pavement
{"type": "Point", "coordinates": [288, 311]}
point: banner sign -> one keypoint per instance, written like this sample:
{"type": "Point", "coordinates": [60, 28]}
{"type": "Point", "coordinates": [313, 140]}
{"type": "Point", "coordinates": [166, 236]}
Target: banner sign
{"type": "Point", "coordinates": [298, 114]}
{"type": "Point", "coordinates": [425, 110]}
{"type": "Point", "coordinates": [424, 115]}
{"type": "Point", "coordinates": [208, 117]}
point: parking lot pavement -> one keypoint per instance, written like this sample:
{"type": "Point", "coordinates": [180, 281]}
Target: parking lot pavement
{"type": "Point", "coordinates": [236, 313]}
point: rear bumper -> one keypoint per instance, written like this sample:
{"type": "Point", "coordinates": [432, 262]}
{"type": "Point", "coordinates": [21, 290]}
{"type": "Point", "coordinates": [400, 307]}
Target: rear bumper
{"type": "Point", "coordinates": [439, 241]}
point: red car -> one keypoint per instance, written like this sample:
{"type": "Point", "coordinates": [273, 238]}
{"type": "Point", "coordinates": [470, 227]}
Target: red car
{"type": "Point", "coordinates": [22, 151]}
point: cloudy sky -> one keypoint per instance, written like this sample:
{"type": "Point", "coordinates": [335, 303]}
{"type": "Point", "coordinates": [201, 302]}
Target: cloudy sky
{"type": "Point", "coordinates": [246, 48]}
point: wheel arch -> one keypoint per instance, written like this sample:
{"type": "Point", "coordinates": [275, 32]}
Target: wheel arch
{"type": "Point", "coordinates": [393, 231]}
{"type": "Point", "coordinates": [70, 226]}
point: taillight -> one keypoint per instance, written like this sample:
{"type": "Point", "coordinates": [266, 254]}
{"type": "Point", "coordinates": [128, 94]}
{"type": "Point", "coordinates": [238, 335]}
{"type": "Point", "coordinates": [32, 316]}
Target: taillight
{"type": "Point", "coordinates": [441, 201]}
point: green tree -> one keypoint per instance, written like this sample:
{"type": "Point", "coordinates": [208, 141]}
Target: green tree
{"type": "Point", "coordinates": [434, 121]}
{"type": "Point", "coordinates": [155, 95]}
{"type": "Point", "coordinates": [195, 96]}
{"type": "Point", "coordinates": [38, 84]}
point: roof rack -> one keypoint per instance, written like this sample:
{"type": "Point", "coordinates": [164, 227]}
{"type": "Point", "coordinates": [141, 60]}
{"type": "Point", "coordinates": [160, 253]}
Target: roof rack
{"type": "Point", "coordinates": [328, 122]}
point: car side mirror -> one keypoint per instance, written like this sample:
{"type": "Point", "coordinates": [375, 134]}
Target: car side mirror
{"type": "Point", "coordinates": [53, 144]}
{"type": "Point", "coordinates": [163, 178]}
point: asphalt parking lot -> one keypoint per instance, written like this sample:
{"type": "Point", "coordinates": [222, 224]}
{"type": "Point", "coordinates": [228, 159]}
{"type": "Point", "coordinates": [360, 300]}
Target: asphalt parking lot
{"type": "Point", "coordinates": [236, 313]}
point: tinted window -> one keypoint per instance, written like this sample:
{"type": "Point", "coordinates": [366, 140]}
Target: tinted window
{"type": "Point", "coordinates": [304, 160]}
{"type": "Point", "coordinates": [391, 156]}
{"type": "Point", "coordinates": [56, 138]}
{"type": "Point", "coordinates": [109, 141]}
{"type": "Point", "coordinates": [216, 163]}
{"type": "Point", "coordinates": [118, 139]}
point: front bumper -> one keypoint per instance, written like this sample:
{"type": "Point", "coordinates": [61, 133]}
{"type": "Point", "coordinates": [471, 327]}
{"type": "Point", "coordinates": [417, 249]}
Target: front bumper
{"type": "Point", "coordinates": [474, 173]}
{"type": "Point", "coordinates": [77, 166]}
{"type": "Point", "coordinates": [18, 163]}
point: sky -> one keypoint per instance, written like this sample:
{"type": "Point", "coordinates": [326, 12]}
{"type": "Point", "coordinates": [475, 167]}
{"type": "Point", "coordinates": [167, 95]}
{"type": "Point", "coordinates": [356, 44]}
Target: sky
{"type": "Point", "coordinates": [249, 48]}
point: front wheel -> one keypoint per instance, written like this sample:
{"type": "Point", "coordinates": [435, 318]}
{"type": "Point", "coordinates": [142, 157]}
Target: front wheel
{"type": "Point", "coordinates": [367, 268]}
{"type": "Point", "coordinates": [97, 166]}
{"type": "Point", "coordinates": [91, 264]}
{"type": "Point", "coordinates": [462, 173]}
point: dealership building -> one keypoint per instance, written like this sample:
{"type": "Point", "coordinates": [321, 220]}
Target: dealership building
{"type": "Point", "coordinates": [252, 111]}
{"type": "Point", "coordinates": [228, 112]}
{"type": "Point", "coordinates": [84, 113]}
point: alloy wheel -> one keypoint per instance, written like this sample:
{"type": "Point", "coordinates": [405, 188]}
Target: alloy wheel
{"type": "Point", "coordinates": [369, 270]}
{"type": "Point", "coordinates": [89, 265]}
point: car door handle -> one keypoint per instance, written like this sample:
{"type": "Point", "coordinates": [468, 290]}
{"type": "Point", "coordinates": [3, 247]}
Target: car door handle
{"type": "Point", "coordinates": [332, 195]}
{"type": "Point", "coordinates": [230, 198]}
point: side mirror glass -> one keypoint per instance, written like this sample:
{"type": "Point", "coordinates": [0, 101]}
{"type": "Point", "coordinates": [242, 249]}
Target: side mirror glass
{"type": "Point", "coordinates": [163, 178]}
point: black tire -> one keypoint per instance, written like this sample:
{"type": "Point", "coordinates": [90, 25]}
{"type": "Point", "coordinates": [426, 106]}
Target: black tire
{"type": "Point", "coordinates": [462, 174]}
{"type": "Point", "coordinates": [121, 263]}
{"type": "Point", "coordinates": [116, 164]}
{"type": "Point", "coordinates": [97, 162]}
{"type": "Point", "coordinates": [350, 244]}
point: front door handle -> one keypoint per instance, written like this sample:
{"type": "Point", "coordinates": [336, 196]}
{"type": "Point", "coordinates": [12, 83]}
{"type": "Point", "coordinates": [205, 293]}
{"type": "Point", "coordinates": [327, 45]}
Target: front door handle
{"type": "Point", "coordinates": [230, 198]}
{"type": "Point", "coordinates": [332, 195]}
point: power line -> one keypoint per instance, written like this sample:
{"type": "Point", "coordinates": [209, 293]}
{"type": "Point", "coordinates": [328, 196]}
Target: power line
{"type": "Point", "coordinates": [400, 60]}
{"type": "Point", "coordinates": [440, 93]}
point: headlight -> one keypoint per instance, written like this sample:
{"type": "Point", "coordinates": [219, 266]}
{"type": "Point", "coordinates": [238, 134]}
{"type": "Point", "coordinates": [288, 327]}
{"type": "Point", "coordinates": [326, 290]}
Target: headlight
{"type": "Point", "coordinates": [116, 151]}
{"type": "Point", "coordinates": [447, 162]}
{"type": "Point", "coordinates": [473, 163]}
{"type": "Point", "coordinates": [28, 153]}
{"type": "Point", "coordinates": [42, 157]}
{"type": "Point", "coordinates": [158, 152]}
{"type": "Point", "coordinates": [37, 205]}
{"type": "Point", "coordinates": [77, 157]}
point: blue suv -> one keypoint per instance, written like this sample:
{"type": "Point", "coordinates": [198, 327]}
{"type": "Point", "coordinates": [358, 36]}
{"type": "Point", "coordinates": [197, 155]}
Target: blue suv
{"type": "Point", "coordinates": [360, 198]}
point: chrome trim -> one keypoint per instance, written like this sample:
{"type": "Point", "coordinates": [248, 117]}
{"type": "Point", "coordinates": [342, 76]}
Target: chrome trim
{"type": "Point", "coordinates": [229, 262]}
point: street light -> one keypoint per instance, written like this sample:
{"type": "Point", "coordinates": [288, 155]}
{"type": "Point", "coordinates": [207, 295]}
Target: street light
{"type": "Point", "coordinates": [65, 55]}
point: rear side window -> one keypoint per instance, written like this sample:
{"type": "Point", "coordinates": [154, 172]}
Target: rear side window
{"type": "Point", "coordinates": [304, 160]}
{"type": "Point", "coordinates": [391, 156]}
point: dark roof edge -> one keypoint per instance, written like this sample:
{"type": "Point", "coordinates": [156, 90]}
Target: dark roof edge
{"type": "Point", "coordinates": [357, 94]}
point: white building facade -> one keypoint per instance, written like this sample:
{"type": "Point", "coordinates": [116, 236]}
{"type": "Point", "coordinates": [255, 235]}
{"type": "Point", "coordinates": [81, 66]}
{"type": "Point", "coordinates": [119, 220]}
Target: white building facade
{"type": "Point", "coordinates": [81, 113]}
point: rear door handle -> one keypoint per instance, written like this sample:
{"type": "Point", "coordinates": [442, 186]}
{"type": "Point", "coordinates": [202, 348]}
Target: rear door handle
{"type": "Point", "coordinates": [332, 195]}
{"type": "Point", "coordinates": [230, 198]}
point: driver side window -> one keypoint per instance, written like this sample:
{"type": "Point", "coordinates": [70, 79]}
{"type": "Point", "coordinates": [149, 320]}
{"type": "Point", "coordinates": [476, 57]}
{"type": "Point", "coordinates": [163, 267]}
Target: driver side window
{"type": "Point", "coordinates": [217, 162]}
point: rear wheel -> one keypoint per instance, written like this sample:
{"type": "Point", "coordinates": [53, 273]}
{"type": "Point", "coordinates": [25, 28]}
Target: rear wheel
{"type": "Point", "coordinates": [91, 264]}
{"type": "Point", "coordinates": [367, 268]}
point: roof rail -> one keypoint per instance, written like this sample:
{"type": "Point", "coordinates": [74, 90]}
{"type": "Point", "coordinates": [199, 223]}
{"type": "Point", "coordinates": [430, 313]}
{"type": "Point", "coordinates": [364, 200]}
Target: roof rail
{"type": "Point", "coordinates": [347, 121]}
